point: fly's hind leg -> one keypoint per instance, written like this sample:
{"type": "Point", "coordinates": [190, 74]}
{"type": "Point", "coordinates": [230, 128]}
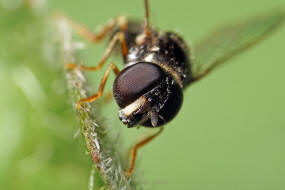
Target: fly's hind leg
{"type": "Point", "coordinates": [101, 87]}
{"type": "Point", "coordinates": [119, 21]}
{"type": "Point", "coordinates": [135, 149]}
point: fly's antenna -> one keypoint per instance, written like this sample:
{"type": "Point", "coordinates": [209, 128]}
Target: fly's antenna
{"type": "Point", "coordinates": [146, 27]}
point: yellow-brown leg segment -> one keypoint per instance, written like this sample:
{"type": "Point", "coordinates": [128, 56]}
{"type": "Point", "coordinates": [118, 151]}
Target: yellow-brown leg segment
{"type": "Point", "coordinates": [101, 87]}
{"type": "Point", "coordinates": [119, 37]}
{"type": "Point", "coordinates": [137, 146]}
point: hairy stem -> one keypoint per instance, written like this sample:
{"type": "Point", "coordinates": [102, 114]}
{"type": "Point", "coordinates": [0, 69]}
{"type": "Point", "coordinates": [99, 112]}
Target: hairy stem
{"type": "Point", "coordinates": [100, 146]}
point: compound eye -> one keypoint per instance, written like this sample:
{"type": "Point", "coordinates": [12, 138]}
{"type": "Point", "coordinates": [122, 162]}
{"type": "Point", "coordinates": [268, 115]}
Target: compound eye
{"type": "Point", "coordinates": [136, 80]}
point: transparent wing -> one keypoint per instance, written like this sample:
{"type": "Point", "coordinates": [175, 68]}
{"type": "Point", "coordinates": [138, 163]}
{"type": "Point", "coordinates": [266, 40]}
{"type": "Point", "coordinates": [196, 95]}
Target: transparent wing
{"type": "Point", "coordinates": [231, 40]}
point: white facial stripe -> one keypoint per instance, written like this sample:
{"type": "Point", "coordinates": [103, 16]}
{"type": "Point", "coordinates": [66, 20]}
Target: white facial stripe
{"type": "Point", "coordinates": [130, 109]}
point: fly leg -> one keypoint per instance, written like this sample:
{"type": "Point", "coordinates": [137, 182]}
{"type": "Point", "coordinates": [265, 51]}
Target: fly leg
{"type": "Point", "coordinates": [135, 149]}
{"type": "Point", "coordinates": [101, 87]}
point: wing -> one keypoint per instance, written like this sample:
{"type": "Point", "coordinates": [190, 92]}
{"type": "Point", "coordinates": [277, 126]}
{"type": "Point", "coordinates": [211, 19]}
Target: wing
{"type": "Point", "coordinates": [231, 40]}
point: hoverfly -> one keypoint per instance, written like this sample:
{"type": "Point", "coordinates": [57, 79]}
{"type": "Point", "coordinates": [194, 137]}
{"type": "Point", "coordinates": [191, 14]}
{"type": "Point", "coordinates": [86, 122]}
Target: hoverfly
{"type": "Point", "coordinates": [160, 65]}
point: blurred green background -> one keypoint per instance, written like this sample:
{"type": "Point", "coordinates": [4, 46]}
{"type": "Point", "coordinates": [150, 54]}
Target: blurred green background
{"type": "Point", "coordinates": [229, 134]}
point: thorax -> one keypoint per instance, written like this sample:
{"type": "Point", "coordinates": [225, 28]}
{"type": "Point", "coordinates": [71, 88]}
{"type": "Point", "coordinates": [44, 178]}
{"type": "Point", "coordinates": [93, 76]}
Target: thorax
{"type": "Point", "coordinates": [166, 50]}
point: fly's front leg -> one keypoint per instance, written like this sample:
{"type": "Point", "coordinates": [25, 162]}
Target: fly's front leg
{"type": "Point", "coordinates": [94, 97]}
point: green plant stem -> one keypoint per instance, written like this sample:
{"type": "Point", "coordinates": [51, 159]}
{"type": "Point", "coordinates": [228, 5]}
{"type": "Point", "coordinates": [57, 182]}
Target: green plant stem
{"type": "Point", "coordinates": [101, 148]}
